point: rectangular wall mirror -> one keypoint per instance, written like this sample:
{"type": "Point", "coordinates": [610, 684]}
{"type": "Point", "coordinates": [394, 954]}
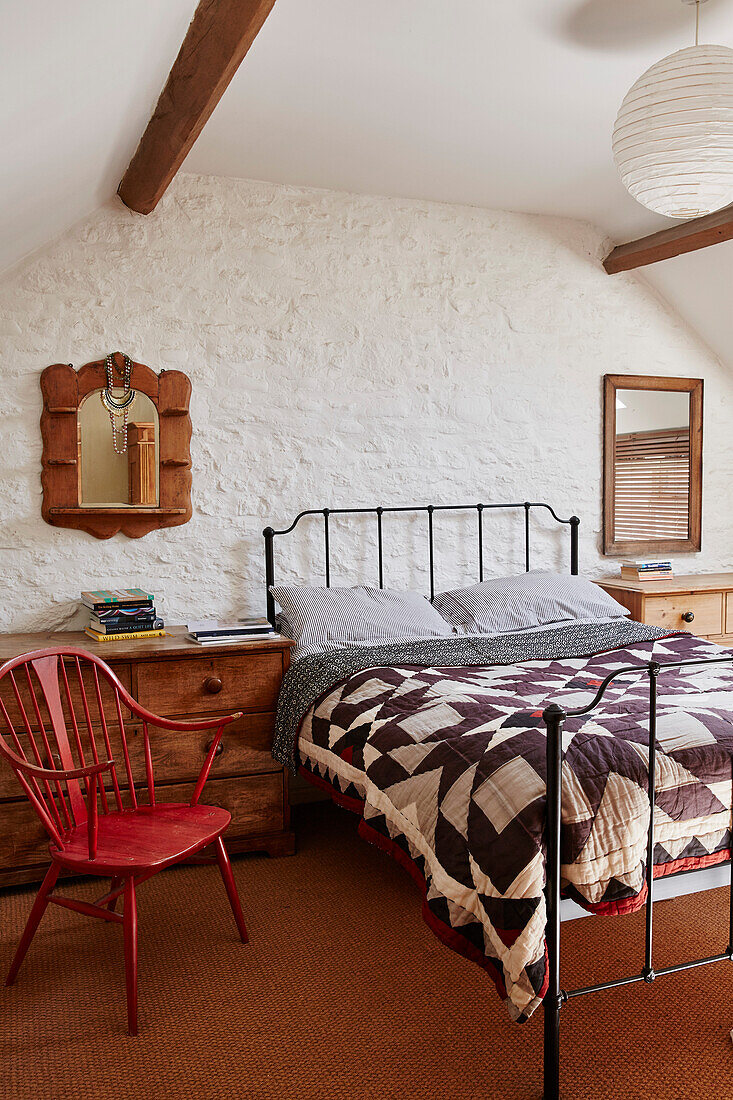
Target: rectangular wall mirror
{"type": "Point", "coordinates": [652, 465]}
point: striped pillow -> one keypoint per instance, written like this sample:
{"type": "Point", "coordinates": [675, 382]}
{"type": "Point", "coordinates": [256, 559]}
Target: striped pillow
{"type": "Point", "coordinates": [333, 618]}
{"type": "Point", "coordinates": [528, 600]}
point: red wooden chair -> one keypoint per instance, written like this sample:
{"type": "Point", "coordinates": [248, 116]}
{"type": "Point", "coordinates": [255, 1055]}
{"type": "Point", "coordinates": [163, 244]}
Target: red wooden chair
{"type": "Point", "coordinates": [65, 752]}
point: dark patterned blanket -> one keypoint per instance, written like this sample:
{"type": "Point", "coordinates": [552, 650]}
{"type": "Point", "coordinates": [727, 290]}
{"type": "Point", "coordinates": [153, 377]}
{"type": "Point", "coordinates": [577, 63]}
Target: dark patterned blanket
{"type": "Point", "coordinates": [440, 746]}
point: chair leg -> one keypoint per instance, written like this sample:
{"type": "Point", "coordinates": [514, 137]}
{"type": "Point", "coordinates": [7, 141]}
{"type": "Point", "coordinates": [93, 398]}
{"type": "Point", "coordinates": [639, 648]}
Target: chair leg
{"type": "Point", "coordinates": [39, 908]}
{"type": "Point", "coordinates": [112, 905]}
{"type": "Point", "coordinates": [222, 858]}
{"type": "Point", "coordinates": [130, 929]}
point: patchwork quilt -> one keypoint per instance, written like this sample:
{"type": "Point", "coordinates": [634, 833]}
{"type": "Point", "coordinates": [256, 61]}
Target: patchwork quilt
{"type": "Point", "coordinates": [440, 746]}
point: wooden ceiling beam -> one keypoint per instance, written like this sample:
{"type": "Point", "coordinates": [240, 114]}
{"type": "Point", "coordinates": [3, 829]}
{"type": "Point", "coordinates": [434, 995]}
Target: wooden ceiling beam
{"type": "Point", "coordinates": [687, 237]}
{"type": "Point", "coordinates": [218, 38]}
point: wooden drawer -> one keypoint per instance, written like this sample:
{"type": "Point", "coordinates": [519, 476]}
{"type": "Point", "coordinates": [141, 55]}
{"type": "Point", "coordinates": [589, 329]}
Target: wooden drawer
{"type": "Point", "coordinates": [667, 611]}
{"type": "Point", "coordinates": [246, 749]}
{"type": "Point", "coordinates": [211, 684]}
{"type": "Point", "coordinates": [23, 840]}
{"type": "Point", "coordinates": [255, 803]}
{"type": "Point", "coordinates": [729, 613]}
{"type": "Point", "coordinates": [8, 697]}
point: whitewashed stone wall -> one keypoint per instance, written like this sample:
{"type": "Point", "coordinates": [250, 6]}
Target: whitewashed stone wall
{"type": "Point", "coordinates": [343, 350]}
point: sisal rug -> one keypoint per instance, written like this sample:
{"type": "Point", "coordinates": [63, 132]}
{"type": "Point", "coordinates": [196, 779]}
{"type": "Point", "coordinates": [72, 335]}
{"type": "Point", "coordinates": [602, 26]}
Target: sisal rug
{"type": "Point", "coordinates": [344, 993]}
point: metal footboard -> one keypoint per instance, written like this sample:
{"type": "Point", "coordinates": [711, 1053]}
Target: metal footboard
{"type": "Point", "coordinates": [554, 717]}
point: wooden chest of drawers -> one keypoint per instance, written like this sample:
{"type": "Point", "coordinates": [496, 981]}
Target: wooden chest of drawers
{"type": "Point", "coordinates": [176, 678]}
{"type": "Point", "coordinates": [701, 604]}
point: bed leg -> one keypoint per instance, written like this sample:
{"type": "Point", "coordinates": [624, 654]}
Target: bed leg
{"type": "Point", "coordinates": [554, 717]}
{"type": "Point", "coordinates": [551, 1064]}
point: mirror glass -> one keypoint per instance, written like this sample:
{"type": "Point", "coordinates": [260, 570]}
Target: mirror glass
{"type": "Point", "coordinates": [652, 465]}
{"type": "Point", "coordinates": [106, 478]}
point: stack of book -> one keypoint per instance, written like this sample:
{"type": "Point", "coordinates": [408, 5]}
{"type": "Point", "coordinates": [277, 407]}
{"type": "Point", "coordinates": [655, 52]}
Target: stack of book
{"type": "Point", "coordinates": [647, 569]}
{"type": "Point", "coordinates": [118, 614]}
{"type": "Point", "coordinates": [215, 633]}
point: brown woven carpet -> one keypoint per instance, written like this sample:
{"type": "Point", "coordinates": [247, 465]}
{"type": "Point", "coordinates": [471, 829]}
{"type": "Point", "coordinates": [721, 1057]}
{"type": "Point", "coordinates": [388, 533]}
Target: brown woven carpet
{"type": "Point", "coordinates": [343, 992]}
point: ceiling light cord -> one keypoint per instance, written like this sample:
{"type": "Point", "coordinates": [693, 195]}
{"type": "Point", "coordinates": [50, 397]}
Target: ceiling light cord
{"type": "Point", "coordinates": [697, 23]}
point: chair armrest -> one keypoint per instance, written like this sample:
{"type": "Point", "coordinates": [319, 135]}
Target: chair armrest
{"type": "Point", "coordinates": [217, 722]}
{"type": "Point", "coordinates": [204, 773]}
{"type": "Point", "coordinates": [182, 725]}
{"type": "Point", "coordinates": [90, 774]}
{"type": "Point", "coordinates": [54, 775]}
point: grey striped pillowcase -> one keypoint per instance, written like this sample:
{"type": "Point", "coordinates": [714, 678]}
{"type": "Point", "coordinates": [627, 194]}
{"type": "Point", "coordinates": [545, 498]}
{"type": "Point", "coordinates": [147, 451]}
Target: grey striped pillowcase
{"type": "Point", "coordinates": [531, 599]}
{"type": "Point", "coordinates": [332, 618]}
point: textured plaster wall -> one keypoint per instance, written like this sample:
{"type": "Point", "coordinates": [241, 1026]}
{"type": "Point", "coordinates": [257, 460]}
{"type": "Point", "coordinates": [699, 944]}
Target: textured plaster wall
{"type": "Point", "coordinates": [343, 350]}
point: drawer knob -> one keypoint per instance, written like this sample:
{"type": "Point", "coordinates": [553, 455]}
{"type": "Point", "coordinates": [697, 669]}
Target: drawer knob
{"type": "Point", "coordinates": [213, 685]}
{"type": "Point", "coordinates": [218, 750]}
{"type": "Point", "coordinates": [688, 617]}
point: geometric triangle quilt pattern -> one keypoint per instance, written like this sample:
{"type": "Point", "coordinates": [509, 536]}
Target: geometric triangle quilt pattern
{"type": "Point", "coordinates": [446, 767]}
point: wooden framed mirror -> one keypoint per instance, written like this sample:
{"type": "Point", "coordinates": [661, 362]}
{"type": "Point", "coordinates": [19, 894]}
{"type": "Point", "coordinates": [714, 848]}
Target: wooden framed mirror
{"type": "Point", "coordinates": [134, 480]}
{"type": "Point", "coordinates": [652, 465]}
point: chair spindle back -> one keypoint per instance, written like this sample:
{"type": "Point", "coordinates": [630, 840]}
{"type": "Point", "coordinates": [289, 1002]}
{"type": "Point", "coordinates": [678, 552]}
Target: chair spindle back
{"type": "Point", "coordinates": [63, 710]}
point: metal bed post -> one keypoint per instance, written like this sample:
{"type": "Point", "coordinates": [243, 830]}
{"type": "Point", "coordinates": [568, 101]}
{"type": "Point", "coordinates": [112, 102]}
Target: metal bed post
{"type": "Point", "coordinates": [430, 509]}
{"type": "Point", "coordinates": [379, 512]}
{"type": "Point", "coordinates": [574, 526]}
{"type": "Point", "coordinates": [527, 507]}
{"type": "Point", "coordinates": [554, 716]}
{"type": "Point", "coordinates": [729, 949]}
{"type": "Point", "coordinates": [269, 537]}
{"type": "Point", "coordinates": [327, 545]}
{"type": "Point", "coordinates": [648, 971]}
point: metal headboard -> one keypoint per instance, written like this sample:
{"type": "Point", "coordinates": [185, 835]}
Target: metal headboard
{"type": "Point", "coordinates": [527, 506]}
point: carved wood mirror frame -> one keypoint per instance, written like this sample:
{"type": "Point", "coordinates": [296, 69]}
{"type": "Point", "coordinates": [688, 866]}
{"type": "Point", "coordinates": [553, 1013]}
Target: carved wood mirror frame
{"type": "Point", "coordinates": [63, 389]}
{"type": "Point", "coordinates": [693, 386]}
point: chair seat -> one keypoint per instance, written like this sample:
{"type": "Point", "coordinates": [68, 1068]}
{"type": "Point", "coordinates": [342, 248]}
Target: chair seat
{"type": "Point", "coordinates": [146, 838]}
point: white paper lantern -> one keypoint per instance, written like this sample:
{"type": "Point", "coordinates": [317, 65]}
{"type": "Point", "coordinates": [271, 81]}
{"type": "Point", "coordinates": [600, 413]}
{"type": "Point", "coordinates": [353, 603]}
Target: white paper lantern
{"type": "Point", "coordinates": [673, 139]}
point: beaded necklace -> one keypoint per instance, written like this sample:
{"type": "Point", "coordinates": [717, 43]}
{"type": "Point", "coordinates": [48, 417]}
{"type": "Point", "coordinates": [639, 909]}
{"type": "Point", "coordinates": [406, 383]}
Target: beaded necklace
{"type": "Point", "coordinates": [118, 407]}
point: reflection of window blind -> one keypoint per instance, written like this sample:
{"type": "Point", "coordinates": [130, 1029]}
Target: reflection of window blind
{"type": "Point", "coordinates": [653, 484]}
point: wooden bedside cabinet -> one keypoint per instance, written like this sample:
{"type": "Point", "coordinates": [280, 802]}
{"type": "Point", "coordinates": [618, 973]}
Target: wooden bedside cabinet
{"type": "Point", "coordinates": [175, 677]}
{"type": "Point", "coordinates": [701, 603]}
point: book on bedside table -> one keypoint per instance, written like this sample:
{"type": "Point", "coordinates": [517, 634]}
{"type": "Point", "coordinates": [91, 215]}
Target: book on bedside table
{"type": "Point", "coordinates": [127, 636]}
{"type": "Point", "coordinates": [120, 614]}
{"type": "Point", "coordinates": [647, 569]}
{"type": "Point", "coordinates": [211, 632]}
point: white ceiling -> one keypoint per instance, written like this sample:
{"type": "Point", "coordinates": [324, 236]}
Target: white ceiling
{"type": "Point", "coordinates": [506, 105]}
{"type": "Point", "coordinates": [78, 81]}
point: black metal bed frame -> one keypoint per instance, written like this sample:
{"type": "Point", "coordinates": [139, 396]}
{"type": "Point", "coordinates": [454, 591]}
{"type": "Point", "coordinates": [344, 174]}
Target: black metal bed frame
{"type": "Point", "coordinates": [554, 717]}
{"type": "Point", "coordinates": [430, 509]}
